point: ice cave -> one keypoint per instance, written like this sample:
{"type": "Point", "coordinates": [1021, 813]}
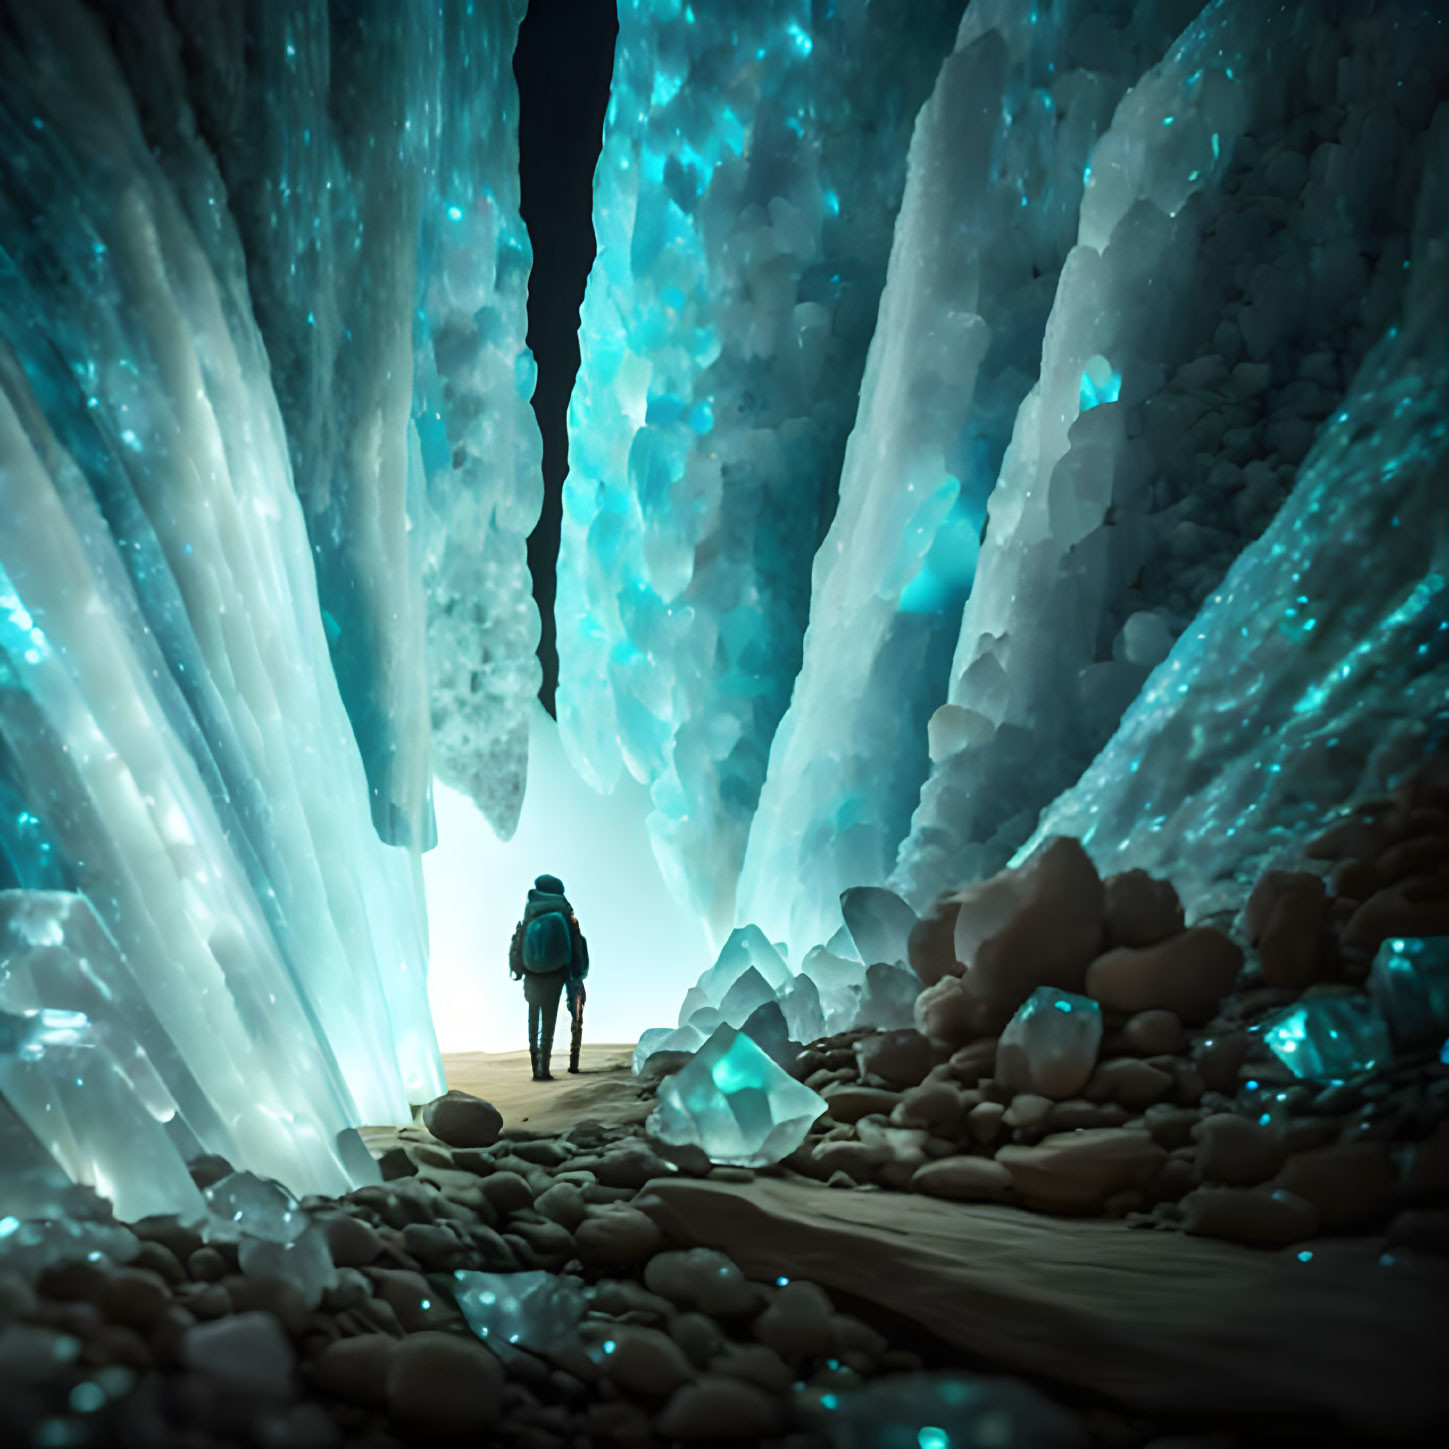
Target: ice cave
{"type": "Point", "coordinates": [724, 721]}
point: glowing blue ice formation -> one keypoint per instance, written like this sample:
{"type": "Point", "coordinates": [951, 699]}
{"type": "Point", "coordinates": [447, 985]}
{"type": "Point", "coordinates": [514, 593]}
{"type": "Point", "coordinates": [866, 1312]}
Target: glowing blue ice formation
{"type": "Point", "coordinates": [186, 809]}
{"type": "Point", "coordinates": [753, 161]}
{"type": "Point", "coordinates": [735, 1104]}
{"type": "Point", "coordinates": [1329, 1038]}
{"type": "Point", "coordinates": [989, 214]}
{"type": "Point", "coordinates": [1233, 265]}
{"type": "Point", "coordinates": [1309, 679]}
{"type": "Point", "coordinates": [1409, 981]}
{"type": "Point", "coordinates": [538, 1312]}
{"type": "Point", "coordinates": [372, 169]}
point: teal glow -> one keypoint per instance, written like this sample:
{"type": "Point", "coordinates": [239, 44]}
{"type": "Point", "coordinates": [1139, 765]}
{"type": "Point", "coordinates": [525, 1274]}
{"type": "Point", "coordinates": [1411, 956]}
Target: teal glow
{"type": "Point", "coordinates": [933, 1438]}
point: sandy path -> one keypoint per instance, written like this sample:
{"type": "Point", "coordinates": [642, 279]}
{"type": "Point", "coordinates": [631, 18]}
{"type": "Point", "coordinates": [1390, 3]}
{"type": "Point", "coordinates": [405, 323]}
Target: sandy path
{"type": "Point", "coordinates": [603, 1091]}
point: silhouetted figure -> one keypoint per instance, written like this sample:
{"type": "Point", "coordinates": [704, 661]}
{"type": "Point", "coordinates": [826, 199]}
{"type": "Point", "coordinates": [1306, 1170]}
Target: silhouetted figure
{"type": "Point", "coordinates": [549, 954]}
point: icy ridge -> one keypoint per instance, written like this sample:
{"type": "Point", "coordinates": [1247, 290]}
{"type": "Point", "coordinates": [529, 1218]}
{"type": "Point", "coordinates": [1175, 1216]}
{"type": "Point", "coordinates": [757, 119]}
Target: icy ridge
{"type": "Point", "coordinates": [752, 165]}
{"type": "Point", "coordinates": [994, 184]}
{"type": "Point", "coordinates": [187, 815]}
{"type": "Point", "coordinates": [1243, 242]}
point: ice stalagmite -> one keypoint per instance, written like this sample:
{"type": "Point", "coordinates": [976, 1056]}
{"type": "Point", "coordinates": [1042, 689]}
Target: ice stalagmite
{"type": "Point", "coordinates": [753, 161]}
{"type": "Point", "coordinates": [188, 839]}
{"type": "Point", "coordinates": [994, 183]}
{"type": "Point", "coordinates": [1242, 243]}
{"type": "Point", "coordinates": [370, 158]}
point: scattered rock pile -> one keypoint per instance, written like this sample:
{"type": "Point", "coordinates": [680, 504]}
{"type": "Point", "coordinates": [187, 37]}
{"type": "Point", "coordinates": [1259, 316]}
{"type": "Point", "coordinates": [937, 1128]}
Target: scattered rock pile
{"type": "Point", "coordinates": [1078, 1048]}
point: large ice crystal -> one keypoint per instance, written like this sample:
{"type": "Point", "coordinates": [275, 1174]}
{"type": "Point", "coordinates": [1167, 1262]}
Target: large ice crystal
{"type": "Point", "coordinates": [1309, 678]}
{"type": "Point", "coordinates": [174, 748]}
{"type": "Point", "coordinates": [752, 165]}
{"type": "Point", "coordinates": [1237, 254]}
{"type": "Point", "coordinates": [1409, 982]}
{"type": "Point", "coordinates": [372, 171]}
{"type": "Point", "coordinates": [989, 214]}
{"type": "Point", "coordinates": [1329, 1037]}
{"type": "Point", "coordinates": [736, 1104]}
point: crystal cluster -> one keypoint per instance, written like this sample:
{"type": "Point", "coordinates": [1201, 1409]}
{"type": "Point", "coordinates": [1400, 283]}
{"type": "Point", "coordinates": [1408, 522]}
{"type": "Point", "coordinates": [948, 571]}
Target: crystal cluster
{"type": "Point", "coordinates": [735, 1104]}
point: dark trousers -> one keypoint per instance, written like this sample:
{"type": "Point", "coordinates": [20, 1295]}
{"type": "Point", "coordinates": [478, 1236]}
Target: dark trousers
{"type": "Point", "coordinates": [541, 990]}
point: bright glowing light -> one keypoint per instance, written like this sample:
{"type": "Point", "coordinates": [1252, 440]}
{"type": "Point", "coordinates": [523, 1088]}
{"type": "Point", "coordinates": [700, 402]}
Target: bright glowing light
{"type": "Point", "coordinates": [644, 948]}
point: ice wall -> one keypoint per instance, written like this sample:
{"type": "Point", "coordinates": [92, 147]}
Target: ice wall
{"type": "Point", "coordinates": [753, 161]}
{"type": "Point", "coordinates": [994, 185]}
{"type": "Point", "coordinates": [196, 895]}
{"type": "Point", "coordinates": [370, 158]}
{"type": "Point", "coordinates": [1243, 241]}
{"type": "Point", "coordinates": [1320, 668]}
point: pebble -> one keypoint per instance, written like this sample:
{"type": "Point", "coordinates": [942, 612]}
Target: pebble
{"type": "Point", "coordinates": [506, 1191]}
{"type": "Point", "coordinates": [1236, 1150]}
{"type": "Point", "coordinates": [900, 1058]}
{"type": "Point", "coordinates": [247, 1351]}
{"type": "Point", "coordinates": [1153, 1033]}
{"type": "Point", "coordinates": [617, 1236]}
{"type": "Point", "coordinates": [1128, 1081]}
{"type": "Point", "coordinates": [702, 1279]}
{"type": "Point", "coordinates": [564, 1204]}
{"type": "Point", "coordinates": [133, 1296]}
{"type": "Point", "coordinates": [1350, 1184]}
{"type": "Point", "coordinates": [719, 1408]}
{"type": "Point", "coordinates": [1244, 1216]}
{"type": "Point", "coordinates": [352, 1242]}
{"type": "Point", "coordinates": [437, 1382]}
{"type": "Point", "coordinates": [851, 1103]}
{"type": "Point", "coordinates": [1188, 974]}
{"type": "Point", "coordinates": [640, 1360]}
{"type": "Point", "coordinates": [796, 1325]}
{"type": "Point", "coordinates": [1078, 1171]}
{"type": "Point", "coordinates": [355, 1369]}
{"type": "Point", "coordinates": [462, 1120]}
{"type": "Point", "coordinates": [966, 1179]}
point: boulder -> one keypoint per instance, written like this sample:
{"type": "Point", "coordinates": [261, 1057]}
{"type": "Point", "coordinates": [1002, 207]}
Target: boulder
{"type": "Point", "coordinates": [1140, 911]}
{"type": "Point", "coordinates": [931, 946]}
{"type": "Point", "coordinates": [938, 1106]}
{"type": "Point", "coordinates": [1350, 1184]}
{"type": "Point", "coordinates": [1153, 1033]}
{"type": "Point", "coordinates": [1286, 918]}
{"type": "Point", "coordinates": [1038, 925]}
{"type": "Point", "coordinates": [1236, 1150]}
{"type": "Point", "coordinates": [1076, 1172]}
{"type": "Point", "coordinates": [355, 1369]}
{"type": "Point", "coordinates": [462, 1120]}
{"type": "Point", "coordinates": [1130, 1082]}
{"type": "Point", "coordinates": [1266, 1219]}
{"type": "Point", "coordinates": [947, 1013]}
{"type": "Point", "coordinates": [901, 1058]}
{"type": "Point", "coordinates": [967, 1179]}
{"type": "Point", "coordinates": [1188, 974]}
{"type": "Point", "coordinates": [442, 1383]}
{"type": "Point", "coordinates": [616, 1236]}
{"type": "Point", "coordinates": [850, 1103]}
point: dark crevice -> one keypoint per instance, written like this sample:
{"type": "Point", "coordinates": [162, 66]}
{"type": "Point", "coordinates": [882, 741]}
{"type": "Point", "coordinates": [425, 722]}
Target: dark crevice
{"type": "Point", "coordinates": [563, 65]}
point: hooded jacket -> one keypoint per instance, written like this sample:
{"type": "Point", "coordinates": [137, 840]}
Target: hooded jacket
{"type": "Point", "coordinates": [540, 902]}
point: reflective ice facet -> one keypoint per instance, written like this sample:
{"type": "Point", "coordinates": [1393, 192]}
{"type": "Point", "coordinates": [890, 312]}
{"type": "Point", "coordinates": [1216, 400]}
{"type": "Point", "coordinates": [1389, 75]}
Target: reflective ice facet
{"type": "Point", "coordinates": [1410, 982]}
{"type": "Point", "coordinates": [1329, 1038]}
{"type": "Point", "coordinates": [735, 1104]}
{"type": "Point", "coordinates": [536, 1311]}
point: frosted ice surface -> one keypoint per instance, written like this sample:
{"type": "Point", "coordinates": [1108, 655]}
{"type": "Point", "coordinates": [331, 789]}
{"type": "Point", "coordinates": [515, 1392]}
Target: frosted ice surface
{"type": "Point", "coordinates": [839, 983]}
{"type": "Point", "coordinates": [685, 1038]}
{"type": "Point", "coordinates": [989, 214]}
{"type": "Point", "coordinates": [1409, 981]}
{"type": "Point", "coordinates": [752, 166]}
{"type": "Point", "coordinates": [766, 1026]}
{"type": "Point", "coordinates": [371, 168]}
{"type": "Point", "coordinates": [537, 1311]}
{"type": "Point", "coordinates": [1329, 1038]}
{"type": "Point", "coordinates": [1305, 679]}
{"type": "Point", "coordinates": [735, 1104]}
{"type": "Point", "coordinates": [1195, 346]}
{"type": "Point", "coordinates": [879, 922]}
{"type": "Point", "coordinates": [749, 991]}
{"type": "Point", "coordinates": [1050, 1045]}
{"type": "Point", "coordinates": [888, 999]}
{"type": "Point", "coordinates": [745, 947]}
{"type": "Point", "coordinates": [173, 742]}
{"type": "Point", "coordinates": [943, 1411]}
{"type": "Point", "coordinates": [93, 1101]}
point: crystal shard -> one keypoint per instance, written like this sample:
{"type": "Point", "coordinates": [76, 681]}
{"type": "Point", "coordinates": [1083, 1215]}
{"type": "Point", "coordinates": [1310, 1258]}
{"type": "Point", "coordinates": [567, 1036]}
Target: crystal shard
{"type": "Point", "coordinates": [735, 1104]}
{"type": "Point", "coordinates": [879, 922]}
{"type": "Point", "coordinates": [767, 1028]}
{"type": "Point", "coordinates": [1410, 982]}
{"type": "Point", "coordinates": [1049, 1046]}
{"type": "Point", "coordinates": [665, 1039]}
{"type": "Point", "coordinates": [1329, 1037]}
{"type": "Point", "coordinates": [538, 1312]}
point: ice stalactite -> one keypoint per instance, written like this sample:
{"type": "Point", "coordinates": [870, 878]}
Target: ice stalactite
{"type": "Point", "coordinates": [752, 165]}
{"type": "Point", "coordinates": [370, 158]}
{"type": "Point", "coordinates": [187, 844]}
{"type": "Point", "coordinates": [1244, 240]}
{"type": "Point", "coordinates": [994, 184]}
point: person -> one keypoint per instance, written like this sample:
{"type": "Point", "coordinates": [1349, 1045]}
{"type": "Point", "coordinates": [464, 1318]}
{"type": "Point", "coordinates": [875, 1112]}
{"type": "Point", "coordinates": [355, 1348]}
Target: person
{"type": "Point", "coordinates": [549, 955]}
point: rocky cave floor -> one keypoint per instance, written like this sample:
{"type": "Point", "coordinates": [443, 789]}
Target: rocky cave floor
{"type": "Point", "coordinates": [1185, 1246]}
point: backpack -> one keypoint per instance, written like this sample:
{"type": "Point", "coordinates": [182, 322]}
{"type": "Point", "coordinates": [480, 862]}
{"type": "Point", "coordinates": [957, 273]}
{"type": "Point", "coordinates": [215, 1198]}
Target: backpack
{"type": "Point", "coordinates": [547, 945]}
